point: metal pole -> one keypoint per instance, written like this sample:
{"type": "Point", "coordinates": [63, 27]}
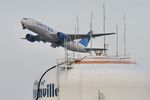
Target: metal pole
{"type": "Point", "coordinates": [78, 29]}
{"type": "Point", "coordinates": [104, 18]}
{"type": "Point", "coordinates": [117, 40]}
{"type": "Point", "coordinates": [124, 36]}
{"type": "Point", "coordinates": [91, 29]}
{"type": "Point", "coordinates": [73, 43]}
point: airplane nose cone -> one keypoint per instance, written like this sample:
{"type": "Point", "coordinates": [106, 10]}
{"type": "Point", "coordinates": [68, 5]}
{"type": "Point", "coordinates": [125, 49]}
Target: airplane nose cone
{"type": "Point", "coordinates": [23, 22]}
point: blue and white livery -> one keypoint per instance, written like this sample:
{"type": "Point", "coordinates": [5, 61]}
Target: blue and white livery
{"type": "Point", "coordinates": [56, 38]}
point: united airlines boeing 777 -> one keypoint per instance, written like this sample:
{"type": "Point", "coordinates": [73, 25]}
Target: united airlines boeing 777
{"type": "Point", "coordinates": [57, 38]}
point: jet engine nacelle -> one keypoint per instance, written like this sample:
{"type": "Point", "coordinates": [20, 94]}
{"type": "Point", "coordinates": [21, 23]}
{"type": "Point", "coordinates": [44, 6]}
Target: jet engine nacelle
{"type": "Point", "coordinates": [62, 37]}
{"type": "Point", "coordinates": [31, 38]}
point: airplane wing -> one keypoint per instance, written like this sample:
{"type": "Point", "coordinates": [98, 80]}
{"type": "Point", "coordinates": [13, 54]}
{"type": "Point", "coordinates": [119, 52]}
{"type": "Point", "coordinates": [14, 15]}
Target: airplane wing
{"type": "Point", "coordinates": [95, 49]}
{"type": "Point", "coordinates": [81, 36]}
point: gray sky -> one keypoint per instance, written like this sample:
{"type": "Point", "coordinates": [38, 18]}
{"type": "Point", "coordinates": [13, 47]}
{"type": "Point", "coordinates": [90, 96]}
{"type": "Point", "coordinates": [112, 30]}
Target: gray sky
{"type": "Point", "coordinates": [21, 61]}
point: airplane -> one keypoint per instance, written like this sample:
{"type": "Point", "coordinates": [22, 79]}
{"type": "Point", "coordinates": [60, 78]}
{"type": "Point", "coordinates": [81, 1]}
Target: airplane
{"type": "Point", "coordinates": [57, 38]}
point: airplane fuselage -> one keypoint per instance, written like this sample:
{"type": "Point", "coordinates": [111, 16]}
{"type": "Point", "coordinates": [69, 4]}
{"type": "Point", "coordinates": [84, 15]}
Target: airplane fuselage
{"type": "Point", "coordinates": [47, 34]}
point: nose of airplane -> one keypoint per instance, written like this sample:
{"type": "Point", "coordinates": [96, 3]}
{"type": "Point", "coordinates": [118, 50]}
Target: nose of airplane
{"type": "Point", "coordinates": [23, 22]}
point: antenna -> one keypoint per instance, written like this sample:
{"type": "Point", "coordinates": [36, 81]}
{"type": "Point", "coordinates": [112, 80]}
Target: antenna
{"type": "Point", "coordinates": [66, 53]}
{"type": "Point", "coordinates": [77, 29]}
{"type": "Point", "coordinates": [124, 35]}
{"type": "Point", "coordinates": [104, 18]}
{"type": "Point", "coordinates": [91, 29]}
{"type": "Point", "coordinates": [77, 23]}
{"type": "Point", "coordinates": [117, 40]}
{"type": "Point", "coordinates": [73, 41]}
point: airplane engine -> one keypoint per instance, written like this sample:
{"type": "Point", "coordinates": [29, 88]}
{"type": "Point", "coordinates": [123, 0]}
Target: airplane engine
{"type": "Point", "coordinates": [31, 38]}
{"type": "Point", "coordinates": [62, 37]}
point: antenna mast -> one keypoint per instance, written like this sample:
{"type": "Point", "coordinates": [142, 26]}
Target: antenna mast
{"type": "Point", "coordinates": [124, 36]}
{"type": "Point", "coordinates": [73, 41]}
{"type": "Point", "coordinates": [91, 29]}
{"type": "Point", "coordinates": [77, 29]}
{"type": "Point", "coordinates": [104, 18]}
{"type": "Point", "coordinates": [117, 40]}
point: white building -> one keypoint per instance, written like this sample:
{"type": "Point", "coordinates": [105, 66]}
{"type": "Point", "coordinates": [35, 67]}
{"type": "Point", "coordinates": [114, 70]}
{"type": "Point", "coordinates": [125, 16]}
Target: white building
{"type": "Point", "coordinates": [95, 78]}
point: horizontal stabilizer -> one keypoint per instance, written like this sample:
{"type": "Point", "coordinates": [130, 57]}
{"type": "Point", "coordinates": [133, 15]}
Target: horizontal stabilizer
{"type": "Point", "coordinates": [95, 49]}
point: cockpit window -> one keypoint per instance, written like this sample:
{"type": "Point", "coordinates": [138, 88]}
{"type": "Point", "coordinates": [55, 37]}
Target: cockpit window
{"type": "Point", "coordinates": [25, 18]}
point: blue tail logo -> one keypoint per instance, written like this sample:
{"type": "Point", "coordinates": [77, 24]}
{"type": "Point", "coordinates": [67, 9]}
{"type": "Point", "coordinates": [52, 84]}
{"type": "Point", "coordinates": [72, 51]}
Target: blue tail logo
{"type": "Point", "coordinates": [85, 41]}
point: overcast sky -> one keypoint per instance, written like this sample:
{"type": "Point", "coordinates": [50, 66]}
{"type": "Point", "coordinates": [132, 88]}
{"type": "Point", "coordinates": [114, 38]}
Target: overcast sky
{"type": "Point", "coordinates": [21, 61]}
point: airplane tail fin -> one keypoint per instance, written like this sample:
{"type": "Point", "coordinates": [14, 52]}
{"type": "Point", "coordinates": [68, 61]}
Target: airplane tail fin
{"type": "Point", "coordinates": [85, 41]}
